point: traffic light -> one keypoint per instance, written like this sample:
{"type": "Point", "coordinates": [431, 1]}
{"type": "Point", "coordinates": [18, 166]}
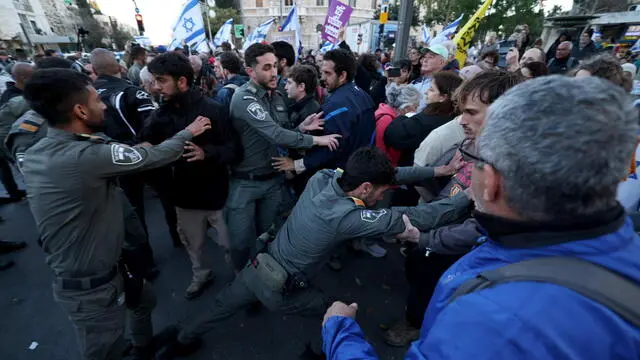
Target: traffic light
{"type": "Point", "coordinates": [140, 24]}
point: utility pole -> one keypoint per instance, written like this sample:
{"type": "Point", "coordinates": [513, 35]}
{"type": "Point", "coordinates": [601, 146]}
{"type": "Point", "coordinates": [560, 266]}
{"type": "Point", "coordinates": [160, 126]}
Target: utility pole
{"type": "Point", "coordinates": [206, 3]}
{"type": "Point", "coordinates": [404, 25]}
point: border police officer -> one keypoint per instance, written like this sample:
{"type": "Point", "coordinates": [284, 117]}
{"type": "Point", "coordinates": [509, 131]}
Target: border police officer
{"type": "Point", "coordinates": [331, 211]}
{"type": "Point", "coordinates": [258, 113]}
{"type": "Point", "coordinates": [79, 212]}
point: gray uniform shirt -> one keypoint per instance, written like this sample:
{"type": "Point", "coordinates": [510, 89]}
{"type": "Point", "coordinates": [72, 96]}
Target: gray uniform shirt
{"type": "Point", "coordinates": [24, 133]}
{"type": "Point", "coordinates": [75, 201]}
{"type": "Point", "coordinates": [258, 117]}
{"type": "Point", "coordinates": [325, 217]}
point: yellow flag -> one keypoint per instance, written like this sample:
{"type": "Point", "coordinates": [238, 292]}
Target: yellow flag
{"type": "Point", "coordinates": [463, 37]}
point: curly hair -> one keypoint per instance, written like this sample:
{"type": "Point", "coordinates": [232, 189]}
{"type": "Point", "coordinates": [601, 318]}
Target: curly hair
{"type": "Point", "coordinates": [607, 67]}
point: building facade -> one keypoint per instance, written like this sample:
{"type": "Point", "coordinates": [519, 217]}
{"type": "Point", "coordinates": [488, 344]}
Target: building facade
{"type": "Point", "coordinates": [312, 14]}
{"type": "Point", "coordinates": [25, 24]}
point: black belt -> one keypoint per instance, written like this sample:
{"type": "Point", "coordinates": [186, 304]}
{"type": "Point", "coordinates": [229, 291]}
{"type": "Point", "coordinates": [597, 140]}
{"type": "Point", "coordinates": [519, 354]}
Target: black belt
{"type": "Point", "coordinates": [87, 283]}
{"type": "Point", "coordinates": [257, 177]}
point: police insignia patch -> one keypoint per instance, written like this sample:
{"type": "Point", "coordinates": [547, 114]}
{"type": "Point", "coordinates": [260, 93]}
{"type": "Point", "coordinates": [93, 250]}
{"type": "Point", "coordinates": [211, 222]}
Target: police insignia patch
{"type": "Point", "coordinates": [372, 215]}
{"type": "Point", "coordinates": [256, 110]}
{"type": "Point", "coordinates": [142, 95]}
{"type": "Point", "coordinates": [124, 155]}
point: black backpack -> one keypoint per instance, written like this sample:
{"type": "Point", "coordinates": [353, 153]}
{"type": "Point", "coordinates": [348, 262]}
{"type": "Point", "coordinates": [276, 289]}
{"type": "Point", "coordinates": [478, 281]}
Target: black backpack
{"type": "Point", "coordinates": [609, 288]}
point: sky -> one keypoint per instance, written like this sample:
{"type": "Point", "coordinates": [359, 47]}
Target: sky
{"type": "Point", "coordinates": [160, 15]}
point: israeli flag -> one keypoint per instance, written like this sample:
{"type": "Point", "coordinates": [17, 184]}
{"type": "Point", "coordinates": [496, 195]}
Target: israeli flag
{"type": "Point", "coordinates": [189, 29]}
{"type": "Point", "coordinates": [636, 46]}
{"type": "Point", "coordinates": [259, 34]}
{"type": "Point", "coordinates": [328, 46]}
{"type": "Point", "coordinates": [292, 23]}
{"type": "Point", "coordinates": [447, 32]}
{"type": "Point", "coordinates": [224, 34]}
{"type": "Point", "coordinates": [426, 34]}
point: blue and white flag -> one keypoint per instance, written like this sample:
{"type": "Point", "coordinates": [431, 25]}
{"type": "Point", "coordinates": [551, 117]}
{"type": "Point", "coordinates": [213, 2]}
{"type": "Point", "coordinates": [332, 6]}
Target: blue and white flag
{"type": "Point", "coordinates": [426, 34]}
{"type": "Point", "coordinates": [328, 46]}
{"type": "Point", "coordinates": [224, 34]}
{"type": "Point", "coordinates": [189, 29]}
{"type": "Point", "coordinates": [292, 23]}
{"type": "Point", "coordinates": [447, 32]}
{"type": "Point", "coordinates": [636, 46]}
{"type": "Point", "coordinates": [259, 34]}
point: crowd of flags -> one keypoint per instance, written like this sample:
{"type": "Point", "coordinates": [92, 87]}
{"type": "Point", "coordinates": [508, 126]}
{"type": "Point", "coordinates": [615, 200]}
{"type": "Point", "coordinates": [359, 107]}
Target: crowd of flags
{"type": "Point", "coordinates": [189, 30]}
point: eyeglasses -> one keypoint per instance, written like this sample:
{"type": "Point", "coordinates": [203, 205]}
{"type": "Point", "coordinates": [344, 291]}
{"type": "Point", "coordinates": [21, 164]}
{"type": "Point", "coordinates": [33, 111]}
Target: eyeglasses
{"type": "Point", "coordinates": [467, 155]}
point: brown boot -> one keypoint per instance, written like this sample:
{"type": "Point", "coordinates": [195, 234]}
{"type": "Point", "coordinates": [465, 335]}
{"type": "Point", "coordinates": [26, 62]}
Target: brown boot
{"type": "Point", "coordinates": [401, 334]}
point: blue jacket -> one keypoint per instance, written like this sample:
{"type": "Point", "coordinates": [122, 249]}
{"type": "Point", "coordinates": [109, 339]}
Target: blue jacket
{"type": "Point", "coordinates": [225, 93]}
{"type": "Point", "coordinates": [349, 111]}
{"type": "Point", "coordinates": [519, 320]}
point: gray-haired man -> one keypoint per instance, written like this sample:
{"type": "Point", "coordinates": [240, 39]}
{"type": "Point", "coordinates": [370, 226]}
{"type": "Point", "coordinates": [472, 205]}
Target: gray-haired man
{"type": "Point", "coordinates": [536, 199]}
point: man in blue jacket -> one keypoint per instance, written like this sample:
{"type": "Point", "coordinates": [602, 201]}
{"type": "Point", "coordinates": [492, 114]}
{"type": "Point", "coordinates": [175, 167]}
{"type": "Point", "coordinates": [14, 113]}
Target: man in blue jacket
{"type": "Point", "coordinates": [349, 111]}
{"type": "Point", "coordinates": [535, 199]}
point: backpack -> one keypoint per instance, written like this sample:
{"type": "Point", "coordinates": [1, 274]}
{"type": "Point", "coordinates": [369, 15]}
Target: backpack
{"type": "Point", "coordinates": [606, 287]}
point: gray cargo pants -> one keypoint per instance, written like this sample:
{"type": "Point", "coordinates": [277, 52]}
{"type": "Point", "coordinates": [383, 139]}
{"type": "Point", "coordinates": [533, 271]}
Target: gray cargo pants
{"type": "Point", "coordinates": [246, 289]}
{"type": "Point", "coordinates": [98, 316]}
{"type": "Point", "coordinates": [252, 206]}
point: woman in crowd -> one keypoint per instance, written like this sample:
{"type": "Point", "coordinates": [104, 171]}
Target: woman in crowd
{"type": "Point", "coordinates": [401, 100]}
{"type": "Point", "coordinates": [534, 69]}
{"type": "Point", "coordinates": [407, 132]}
{"type": "Point", "coordinates": [377, 83]}
{"type": "Point", "coordinates": [489, 60]}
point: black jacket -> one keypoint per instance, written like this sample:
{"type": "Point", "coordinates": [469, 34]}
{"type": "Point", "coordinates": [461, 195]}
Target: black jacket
{"type": "Point", "coordinates": [128, 107]}
{"type": "Point", "coordinates": [301, 109]}
{"type": "Point", "coordinates": [406, 133]}
{"type": "Point", "coordinates": [11, 92]}
{"type": "Point", "coordinates": [200, 184]}
{"type": "Point", "coordinates": [586, 52]}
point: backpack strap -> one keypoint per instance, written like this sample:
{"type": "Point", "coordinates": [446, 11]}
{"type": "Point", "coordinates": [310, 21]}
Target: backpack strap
{"type": "Point", "coordinates": [604, 286]}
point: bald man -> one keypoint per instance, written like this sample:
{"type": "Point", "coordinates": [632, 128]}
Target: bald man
{"type": "Point", "coordinates": [21, 72]}
{"type": "Point", "coordinates": [563, 61]}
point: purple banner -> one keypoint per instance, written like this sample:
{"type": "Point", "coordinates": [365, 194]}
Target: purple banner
{"type": "Point", "coordinates": [337, 17]}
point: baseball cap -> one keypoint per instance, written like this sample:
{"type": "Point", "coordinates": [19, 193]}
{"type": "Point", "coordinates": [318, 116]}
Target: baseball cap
{"type": "Point", "coordinates": [439, 50]}
{"type": "Point", "coordinates": [630, 68]}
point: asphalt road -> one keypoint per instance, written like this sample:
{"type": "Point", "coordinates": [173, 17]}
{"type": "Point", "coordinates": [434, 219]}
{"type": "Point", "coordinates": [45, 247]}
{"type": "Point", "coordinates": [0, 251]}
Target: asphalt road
{"type": "Point", "coordinates": [28, 313]}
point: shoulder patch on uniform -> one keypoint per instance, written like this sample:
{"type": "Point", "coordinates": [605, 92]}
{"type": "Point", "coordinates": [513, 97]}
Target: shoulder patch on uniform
{"type": "Point", "coordinates": [28, 127]}
{"type": "Point", "coordinates": [257, 111]}
{"type": "Point", "coordinates": [252, 89]}
{"type": "Point", "coordinates": [357, 201]}
{"type": "Point", "coordinates": [372, 215]}
{"type": "Point", "coordinates": [142, 95]}
{"type": "Point", "coordinates": [249, 98]}
{"type": "Point", "coordinates": [124, 155]}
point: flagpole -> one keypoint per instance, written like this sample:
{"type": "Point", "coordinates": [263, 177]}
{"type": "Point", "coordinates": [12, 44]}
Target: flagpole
{"type": "Point", "coordinates": [208, 21]}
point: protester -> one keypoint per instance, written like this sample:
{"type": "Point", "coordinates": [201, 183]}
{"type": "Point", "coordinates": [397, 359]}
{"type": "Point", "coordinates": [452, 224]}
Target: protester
{"type": "Point", "coordinates": [433, 61]}
{"type": "Point", "coordinates": [401, 100]}
{"type": "Point", "coordinates": [551, 53]}
{"type": "Point", "coordinates": [400, 72]}
{"type": "Point", "coordinates": [452, 62]}
{"type": "Point", "coordinates": [377, 82]}
{"type": "Point", "coordinates": [200, 179]}
{"type": "Point", "coordinates": [228, 67]}
{"type": "Point", "coordinates": [20, 73]}
{"type": "Point", "coordinates": [286, 55]}
{"type": "Point", "coordinates": [489, 45]}
{"type": "Point", "coordinates": [563, 61]}
{"type": "Point", "coordinates": [407, 132]}
{"type": "Point", "coordinates": [138, 58]}
{"type": "Point", "coordinates": [489, 60]}
{"type": "Point", "coordinates": [469, 72]}
{"type": "Point", "coordinates": [554, 212]}
{"type": "Point", "coordinates": [586, 48]}
{"type": "Point", "coordinates": [532, 55]}
{"type": "Point", "coordinates": [301, 88]}
{"type": "Point", "coordinates": [512, 60]}
{"type": "Point", "coordinates": [416, 63]}
{"type": "Point", "coordinates": [534, 69]}
{"type": "Point", "coordinates": [203, 76]}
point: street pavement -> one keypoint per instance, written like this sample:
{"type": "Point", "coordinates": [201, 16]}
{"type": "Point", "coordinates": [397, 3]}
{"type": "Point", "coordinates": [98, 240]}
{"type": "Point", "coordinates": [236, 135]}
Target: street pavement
{"type": "Point", "coordinates": [29, 315]}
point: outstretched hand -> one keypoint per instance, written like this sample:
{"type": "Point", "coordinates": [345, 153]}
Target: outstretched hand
{"type": "Point", "coordinates": [340, 309]}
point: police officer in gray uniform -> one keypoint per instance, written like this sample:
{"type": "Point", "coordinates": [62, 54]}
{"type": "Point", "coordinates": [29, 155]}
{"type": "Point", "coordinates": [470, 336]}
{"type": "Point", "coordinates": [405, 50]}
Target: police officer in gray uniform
{"type": "Point", "coordinates": [78, 210]}
{"type": "Point", "coordinates": [258, 113]}
{"type": "Point", "coordinates": [331, 211]}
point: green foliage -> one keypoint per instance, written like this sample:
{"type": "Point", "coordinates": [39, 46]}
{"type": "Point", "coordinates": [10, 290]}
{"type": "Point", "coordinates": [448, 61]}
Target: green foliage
{"type": "Point", "coordinates": [225, 4]}
{"type": "Point", "coordinates": [555, 11]}
{"type": "Point", "coordinates": [502, 17]}
{"type": "Point", "coordinates": [222, 15]}
{"type": "Point", "coordinates": [119, 36]}
{"type": "Point", "coordinates": [96, 32]}
{"type": "Point", "coordinates": [394, 13]}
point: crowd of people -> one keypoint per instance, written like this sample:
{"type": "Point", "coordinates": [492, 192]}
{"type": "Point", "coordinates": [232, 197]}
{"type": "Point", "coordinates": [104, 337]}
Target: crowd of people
{"type": "Point", "coordinates": [471, 168]}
